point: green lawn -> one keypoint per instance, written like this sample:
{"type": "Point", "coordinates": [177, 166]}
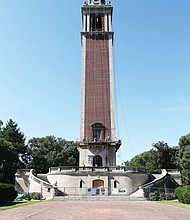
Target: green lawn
{"type": "Point", "coordinates": [12, 205]}
{"type": "Point", "coordinates": [176, 203]}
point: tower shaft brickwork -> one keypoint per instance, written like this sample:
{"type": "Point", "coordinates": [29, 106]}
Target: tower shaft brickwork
{"type": "Point", "coordinates": [97, 86]}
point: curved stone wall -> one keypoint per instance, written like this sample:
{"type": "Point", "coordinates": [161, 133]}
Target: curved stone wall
{"type": "Point", "coordinates": [81, 182]}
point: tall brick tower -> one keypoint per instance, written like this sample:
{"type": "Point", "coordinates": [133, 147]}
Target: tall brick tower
{"type": "Point", "coordinates": [97, 145]}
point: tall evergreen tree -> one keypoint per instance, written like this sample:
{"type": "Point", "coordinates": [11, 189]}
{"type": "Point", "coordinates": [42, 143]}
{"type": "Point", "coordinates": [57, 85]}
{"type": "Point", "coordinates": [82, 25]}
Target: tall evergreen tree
{"type": "Point", "coordinates": [12, 133]}
{"type": "Point", "coordinates": [12, 144]}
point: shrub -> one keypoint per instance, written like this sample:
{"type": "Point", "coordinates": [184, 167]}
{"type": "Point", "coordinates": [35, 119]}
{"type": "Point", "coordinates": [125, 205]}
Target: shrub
{"type": "Point", "coordinates": [170, 196]}
{"type": "Point", "coordinates": [179, 194]}
{"type": "Point", "coordinates": [7, 193]}
{"type": "Point", "coordinates": [162, 196]}
{"type": "Point", "coordinates": [35, 196]}
{"type": "Point", "coordinates": [183, 194]}
{"type": "Point", "coordinates": [153, 196]}
{"type": "Point", "coordinates": [186, 194]}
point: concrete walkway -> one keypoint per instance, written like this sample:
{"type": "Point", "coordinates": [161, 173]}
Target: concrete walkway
{"type": "Point", "coordinates": [96, 210]}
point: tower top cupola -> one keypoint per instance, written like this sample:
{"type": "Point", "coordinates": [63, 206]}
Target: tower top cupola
{"type": "Point", "coordinates": [96, 2]}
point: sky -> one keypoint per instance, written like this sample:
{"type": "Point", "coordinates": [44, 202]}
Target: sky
{"type": "Point", "coordinates": [40, 70]}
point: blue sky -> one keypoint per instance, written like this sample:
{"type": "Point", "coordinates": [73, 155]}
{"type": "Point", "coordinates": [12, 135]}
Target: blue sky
{"type": "Point", "coordinates": [40, 69]}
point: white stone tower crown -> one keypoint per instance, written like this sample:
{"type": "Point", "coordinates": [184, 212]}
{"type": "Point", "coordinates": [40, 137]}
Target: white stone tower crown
{"type": "Point", "coordinates": [97, 2]}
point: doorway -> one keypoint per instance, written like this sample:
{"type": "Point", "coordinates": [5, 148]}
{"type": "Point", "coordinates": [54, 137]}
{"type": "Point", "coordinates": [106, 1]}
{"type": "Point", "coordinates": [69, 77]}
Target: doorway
{"type": "Point", "coordinates": [98, 184]}
{"type": "Point", "coordinates": [97, 161]}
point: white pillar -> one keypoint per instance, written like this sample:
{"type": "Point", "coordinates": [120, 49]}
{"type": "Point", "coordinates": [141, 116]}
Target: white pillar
{"type": "Point", "coordinates": [111, 70]}
{"type": "Point", "coordinates": [106, 22]}
{"type": "Point", "coordinates": [110, 23]}
{"type": "Point", "coordinates": [84, 22]}
{"type": "Point", "coordinates": [83, 88]}
{"type": "Point", "coordinates": [88, 22]}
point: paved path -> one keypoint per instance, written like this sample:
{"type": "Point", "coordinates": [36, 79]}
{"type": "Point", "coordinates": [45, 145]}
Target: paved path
{"type": "Point", "coordinates": [96, 210]}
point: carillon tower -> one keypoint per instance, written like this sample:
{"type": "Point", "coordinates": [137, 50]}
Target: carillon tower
{"type": "Point", "coordinates": [97, 173]}
{"type": "Point", "coordinates": [98, 145]}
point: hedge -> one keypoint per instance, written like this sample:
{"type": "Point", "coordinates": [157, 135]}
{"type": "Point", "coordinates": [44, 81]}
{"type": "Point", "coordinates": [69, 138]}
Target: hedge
{"type": "Point", "coordinates": [183, 194]}
{"type": "Point", "coordinates": [153, 196]}
{"type": "Point", "coordinates": [7, 193]}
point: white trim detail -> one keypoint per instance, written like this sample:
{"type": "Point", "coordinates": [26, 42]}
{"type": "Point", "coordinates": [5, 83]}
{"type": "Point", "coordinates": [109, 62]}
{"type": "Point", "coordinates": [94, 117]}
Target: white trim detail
{"type": "Point", "coordinates": [84, 21]}
{"type": "Point", "coordinates": [88, 22]}
{"type": "Point", "coordinates": [82, 114]}
{"type": "Point", "coordinates": [110, 23]}
{"type": "Point", "coordinates": [111, 88]}
{"type": "Point", "coordinates": [106, 22]}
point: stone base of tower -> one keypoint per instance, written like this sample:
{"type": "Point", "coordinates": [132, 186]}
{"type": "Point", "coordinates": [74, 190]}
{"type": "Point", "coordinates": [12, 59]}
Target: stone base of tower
{"type": "Point", "coordinates": [98, 154]}
{"type": "Point", "coordinates": [73, 182]}
{"type": "Point", "coordinates": [84, 181]}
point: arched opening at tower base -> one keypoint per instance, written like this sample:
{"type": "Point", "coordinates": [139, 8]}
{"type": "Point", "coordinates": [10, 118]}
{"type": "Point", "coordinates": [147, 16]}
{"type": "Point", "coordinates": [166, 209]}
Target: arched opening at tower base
{"type": "Point", "coordinates": [97, 161]}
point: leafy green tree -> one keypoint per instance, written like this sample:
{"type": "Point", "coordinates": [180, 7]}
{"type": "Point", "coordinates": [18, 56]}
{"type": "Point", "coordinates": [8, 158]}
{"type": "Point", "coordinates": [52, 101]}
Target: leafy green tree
{"type": "Point", "coordinates": [185, 166]}
{"type": "Point", "coordinates": [161, 156]}
{"type": "Point", "coordinates": [184, 143]}
{"type": "Point", "coordinates": [49, 151]}
{"type": "Point", "coordinates": [184, 158]}
{"type": "Point", "coordinates": [1, 124]}
{"type": "Point", "coordinates": [12, 145]}
{"type": "Point", "coordinates": [164, 156]}
{"type": "Point", "coordinates": [143, 160]}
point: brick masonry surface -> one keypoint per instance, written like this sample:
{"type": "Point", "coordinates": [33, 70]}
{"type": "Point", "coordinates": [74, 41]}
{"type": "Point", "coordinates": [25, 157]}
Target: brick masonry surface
{"type": "Point", "coordinates": [97, 85]}
{"type": "Point", "coordinates": [93, 210]}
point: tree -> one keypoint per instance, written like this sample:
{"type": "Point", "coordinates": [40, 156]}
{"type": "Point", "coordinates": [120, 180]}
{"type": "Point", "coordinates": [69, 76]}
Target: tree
{"type": "Point", "coordinates": [12, 133]}
{"type": "Point", "coordinates": [12, 144]}
{"type": "Point", "coordinates": [184, 158]}
{"type": "Point", "coordinates": [185, 166]}
{"type": "Point", "coordinates": [4, 160]}
{"type": "Point", "coordinates": [49, 151]}
{"type": "Point", "coordinates": [184, 143]}
{"type": "Point", "coordinates": [164, 156]}
{"type": "Point", "coordinates": [143, 160]}
{"type": "Point", "coordinates": [161, 156]}
{"type": "Point", "coordinates": [1, 124]}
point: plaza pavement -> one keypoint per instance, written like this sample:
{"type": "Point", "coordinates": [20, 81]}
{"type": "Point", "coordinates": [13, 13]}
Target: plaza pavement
{"type": "Point", "coordinates": [96, 210]}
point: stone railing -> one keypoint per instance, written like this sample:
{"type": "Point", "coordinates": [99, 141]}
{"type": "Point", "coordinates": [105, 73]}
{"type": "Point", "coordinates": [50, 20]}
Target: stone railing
{"type": "Point", "coordinates": [94, 169]}
{"type": "Point", "coordinates": [41, 186]}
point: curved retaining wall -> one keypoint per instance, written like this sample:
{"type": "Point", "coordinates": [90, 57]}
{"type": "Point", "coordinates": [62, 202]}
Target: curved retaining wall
{"type": "Point", "coordinates": [114, 182]}
{"type": "Point", "coordinates": [38, 185]}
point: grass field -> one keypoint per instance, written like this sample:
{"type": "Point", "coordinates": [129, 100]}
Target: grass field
{"type": "Point", "coordinates": [176, 203]}
{"type": "Point", "coordinates": [12, 205]}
